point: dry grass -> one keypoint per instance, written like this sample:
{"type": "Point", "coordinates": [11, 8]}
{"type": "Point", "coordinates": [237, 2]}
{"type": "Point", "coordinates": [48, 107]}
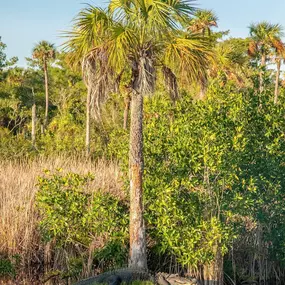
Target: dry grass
{"type": "Point", "coordinates": [18, 219]}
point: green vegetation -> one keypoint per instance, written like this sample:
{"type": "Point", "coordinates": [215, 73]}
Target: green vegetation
{"type": "Point", "coordinates": [6, 268]}
{"type": "Point", "coordinates": [191, 181]}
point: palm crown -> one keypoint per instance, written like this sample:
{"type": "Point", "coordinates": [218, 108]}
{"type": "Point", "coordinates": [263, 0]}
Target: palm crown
{"type": "Point", "coordinates": [43, 51]}
{"type": "Point", "coordinates": [264, 37]}
{"type": "Point", "coordinates": [140, 36]}
{"type": "Point", "coordinates": [203, 21]}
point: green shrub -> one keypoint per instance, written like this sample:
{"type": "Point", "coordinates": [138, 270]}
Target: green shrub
{"type": "Point", "coordinates": [15, 146]}
{"type": "Point", "coordinates": [7, 268]}
{"type": "Point", "coordinates": [64, 135]}
{"type": "Point", "coordinates": [72, 215]}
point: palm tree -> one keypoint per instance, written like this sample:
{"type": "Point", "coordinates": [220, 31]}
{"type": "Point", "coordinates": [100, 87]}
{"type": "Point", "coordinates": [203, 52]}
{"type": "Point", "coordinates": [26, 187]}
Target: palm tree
{"type": "Point", "coordinates": [202, 23]}
{"type": "Point", "coordinates": [264, 37]}
{"type": "Point", "coordinates": [44, 52]}
{"type": "Point", "coordinates": [279, 55]}
{"type": "Point", "coordinates": [139, 38]}
{"type": "Point", "coordinates": [231, 58]}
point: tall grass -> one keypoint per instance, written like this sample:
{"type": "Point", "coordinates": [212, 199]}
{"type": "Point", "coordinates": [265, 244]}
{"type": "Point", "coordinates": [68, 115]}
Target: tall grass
{"type": "Point", "coordinates": [18, 217]}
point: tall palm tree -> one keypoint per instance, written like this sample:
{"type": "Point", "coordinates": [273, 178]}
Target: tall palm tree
{"type": "Point", "coordinates": [137, 37]}
{"type": "Point", "coordinates": [202, 23]}
{"type": "Point", "coordinates": [44, 52]}
{"type": "Point", "coordinates": [264, 37]}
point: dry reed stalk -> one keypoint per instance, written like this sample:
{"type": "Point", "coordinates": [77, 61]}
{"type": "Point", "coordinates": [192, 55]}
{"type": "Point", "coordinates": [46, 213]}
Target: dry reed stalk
{"type": "Point", "coordinates": [18, 218]}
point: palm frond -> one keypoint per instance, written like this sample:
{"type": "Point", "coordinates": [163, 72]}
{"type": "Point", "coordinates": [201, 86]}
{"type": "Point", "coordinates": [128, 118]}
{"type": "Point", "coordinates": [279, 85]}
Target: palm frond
{"type": "Point", "coordinates": [121, 45]}
{"type": "Point", "coordinates": [252, 49]}
{"type": "Point", "coordinates": [279, 46]}
{"type": "Point", "coordinates": [90, 29]}
{"type": "Point", "coordinates": [188, 56]}
{"type": "Point", "coordinates": [44, 51]}
{"type": "Point", "coordinates": [203, 21]}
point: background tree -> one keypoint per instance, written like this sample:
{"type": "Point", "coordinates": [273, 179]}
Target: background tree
{"type": "Point", "coordinates": [279, 55]}
{"type": "Point", "coordinates": [44, 52]}
{"type": "Point", "coordinates": [231, 62]}
{"type": "Point", "coordinates": [264, 37]}
{"type": "Point", "coordinates": [202, 23]}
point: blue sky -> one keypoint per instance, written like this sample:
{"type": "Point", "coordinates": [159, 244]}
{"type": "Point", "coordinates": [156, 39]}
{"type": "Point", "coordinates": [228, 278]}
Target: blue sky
{"type": "Point", "coordinates": [23, 23]}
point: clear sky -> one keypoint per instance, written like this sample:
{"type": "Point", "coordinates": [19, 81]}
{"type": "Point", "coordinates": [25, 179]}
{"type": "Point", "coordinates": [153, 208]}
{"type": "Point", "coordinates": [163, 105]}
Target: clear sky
{"type": "Point", "coordinates": [23, 23]}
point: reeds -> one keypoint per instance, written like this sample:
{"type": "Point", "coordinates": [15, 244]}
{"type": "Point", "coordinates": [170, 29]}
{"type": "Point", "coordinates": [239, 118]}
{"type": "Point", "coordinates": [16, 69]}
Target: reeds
{"type": "Point", "coordinates": [18, 217]}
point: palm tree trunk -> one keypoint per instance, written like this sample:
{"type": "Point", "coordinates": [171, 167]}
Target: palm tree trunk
{"type": "Point", "coordinates": [47, 95]}
{"type": "Point", "coordinates": [203, 88]}
{"type": "Point", "coordinates": [126, 111]}
{"type": "Point", "coordinates": [278, 63]}
{"type": "Point", "coordinates": [263, 61]}
{"type": "Point", "coordinates": [138, 258]}
{"type": "Point", "coordinates": [88, 110]}
{"type": "Point", "coordinates": [34, 118]}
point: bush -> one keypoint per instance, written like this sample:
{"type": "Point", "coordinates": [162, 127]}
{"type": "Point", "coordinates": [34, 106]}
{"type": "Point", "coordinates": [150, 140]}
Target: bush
{"type": "Point", "coordinates": [15, 146]}
{"type": "Point", "coordinates": [74, 216]}
{"type": "Point", "coordinates": [7, 268]}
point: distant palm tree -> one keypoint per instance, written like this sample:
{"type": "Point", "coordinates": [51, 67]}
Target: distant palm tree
{"type": "Point", "coordinates": [44, 52]}
{"type": "Point", "coordinates": [139, 38]}
{"type": "Point", "coordinates": [279, 55]}
{"type": "Point", "coordinates": [202, 23]}
{"type": "Point", "coordinates": [232, 60]}
{"type": "Point", "coordinates": [15, 76]}
{"type": "Point", "coordinates": [264, 37]}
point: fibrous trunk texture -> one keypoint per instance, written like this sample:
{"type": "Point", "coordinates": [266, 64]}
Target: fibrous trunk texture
{"type": "Point", "coordinates": [137, 257]}
{"type": "Point", "coordinates": [170, 81]}
{"type": "Point", "coordinates": [126, 111]}
{"type": "Point", "coordinates": [203, 88]}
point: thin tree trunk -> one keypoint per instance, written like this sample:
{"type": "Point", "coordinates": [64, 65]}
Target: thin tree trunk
{"type": "Point", "coordinates": [138, 258]}
{"type": "Point", "coordinates": [126, 111]}
{"type": "Point", "coordinates": [261, 80]}
{"type": "Point", "coordinates": [34, 118]}
{"type": "Point", "coordinates": [47, 95]}
{"type": "Point", "coordinates": [88, 109]}
{"type": "Point", "coordinates": [278, 63]}
{"type": "Point", "coordinates": [234, 266]}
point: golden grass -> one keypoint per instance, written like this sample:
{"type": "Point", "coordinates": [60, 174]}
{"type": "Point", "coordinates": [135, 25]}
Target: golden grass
{"type": "Point", "coordinates": [18, 219]}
